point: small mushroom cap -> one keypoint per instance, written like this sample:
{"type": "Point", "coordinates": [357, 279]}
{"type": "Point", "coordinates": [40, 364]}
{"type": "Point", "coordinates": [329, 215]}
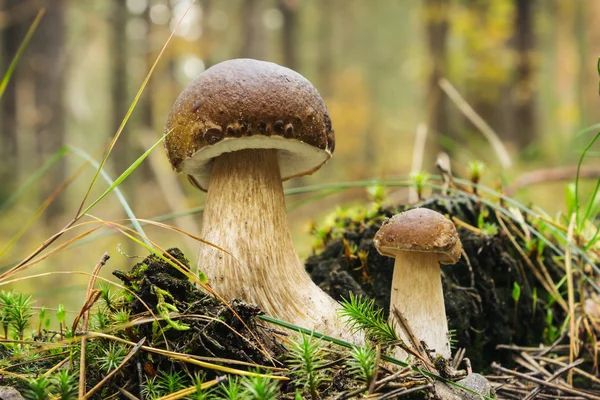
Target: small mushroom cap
{"type": "Point", "coordinates": [248, 104]}
{"type": "Point", "coordinates": [422, 230]}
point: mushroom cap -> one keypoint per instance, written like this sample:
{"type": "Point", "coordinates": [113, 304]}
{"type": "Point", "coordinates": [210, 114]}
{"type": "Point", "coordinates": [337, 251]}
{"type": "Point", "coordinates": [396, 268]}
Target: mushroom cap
{"type": "Point", "coordinates": [248, 104]}
{"type": "Point", "coordinates": [421, 230]}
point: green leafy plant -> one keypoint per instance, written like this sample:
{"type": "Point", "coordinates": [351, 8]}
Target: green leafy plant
{"type": "Point", "coordinates": [100, 320]}
{"type": "Point", "coordinates": [516, 292]}
{"type": "Point", "coordinates": [20, 312]}
{"type": "Point", "coordinates": [307, 361]}
{"type": "Point", "coordinates": [452, 339]}
{"type": "Point", "coordinates": [377, 193]}
{"type": "Point", "coordinates": [363, 314]}
{"type": "Point", "coordinates": [65, 384]}
{"type": "Point", "coordinates": [61, 316]}
{"type": "Point", "coordinates": [551, 332]}
{"type": "Point", "coordinates": [233, 389]}
{"type": "Point", "coordinates": [516, 295]}
{"type": "Point", "coordinates": [121, 316]}
{"type": "Point", "coordinates": [111, 356]}
{"type": "Point", "coordinates": [150, 389]}
{"type": "Point", "coordinates": [38, 388]}
{"type": "Point", "coordinates": [6, 303]}
{"type": "Point", "coordinates": [43, 321]}
{"type": "Point", "coordinates": [419, 182]}
{"type": "Point", "coordinates": [475, 169]}
{"type": "Point", "coordinates": [260, 388]}
{"type": "Point", "coordinates": [362, 363]}
{"type": "Point", "coordinates": [202, 393]}
{"type": "Point", "coordinates": [108, 296]}
{"type": "Point", "coordinates": [489, 229]}
{"type": "Point", "coordinates": [170, 381]}
{"type": "Point", "coordinates": [164, 309]}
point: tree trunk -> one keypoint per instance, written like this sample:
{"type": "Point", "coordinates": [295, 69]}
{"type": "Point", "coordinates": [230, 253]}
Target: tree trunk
{"type": "Point", "coordinates": [436, 27]}
{"type": "Point", "coordinates": [590, 52]}
{"type": "Point", "coordinates": [289, 10]}
{"type": "Point", "coordinates": [47, 64]}
{"type": "Point", "coordinates": [12, 35]}
{"type": "Point", "coordinates": [565, 69]}
{"type": "Point", "coordinates": [254, 35]}
{"type": "Point", "coordinates": [524, 131]}
{"type": "Point", "coordinates": [121, 154]}
{"type": "Point", "coordinates": [325, 34]}
{"type": "Point", "coordinates": [208, 36]}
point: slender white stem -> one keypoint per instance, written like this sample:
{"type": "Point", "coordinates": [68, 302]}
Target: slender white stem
{"type": "Point", "coordinates": [245, 215]}
{"type": "Point", "coordinates": [417, 293]}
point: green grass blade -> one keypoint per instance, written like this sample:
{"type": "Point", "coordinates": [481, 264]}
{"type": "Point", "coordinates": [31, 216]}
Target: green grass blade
{"type": "Point", "coordinates": [177, 214]}
{"type": "Point", "coordinates": [592, 208]}
{"type": "Point", "coordinates": [148, 247]}
{"type": "Point", "coordinates": [310, 199]}
{"type": "Point", "coordinates": [13, 64]}
{"type": "Point", "coordinates": [160, 218]}
{"type": "Point", "coordinates": [34, 178]}
{"type": "Point", "coordinates": [590, 144]}
{"type": "Point", "coordinates": [129, 112]}
{"type": "Point", "coordinates": [594, 239]}
{"type": "Point", "coordinates": [124, 175]}
{"type": "Point", "coordinates": [136, 225]}
{"type": "Point", "coordinates": [588, 129]}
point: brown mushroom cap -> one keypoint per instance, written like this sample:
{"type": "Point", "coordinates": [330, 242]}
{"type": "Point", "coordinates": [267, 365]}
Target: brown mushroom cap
{"type": "Point", "coordinates": [248, 104]}
{"type": "Point", "coordinates": [422, 230]}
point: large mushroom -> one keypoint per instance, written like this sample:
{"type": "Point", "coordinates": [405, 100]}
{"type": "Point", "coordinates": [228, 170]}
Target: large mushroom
{"type": "Point", "coordinates": [237, 130]}
{"type": "Point", "coordinates": [420, 240]}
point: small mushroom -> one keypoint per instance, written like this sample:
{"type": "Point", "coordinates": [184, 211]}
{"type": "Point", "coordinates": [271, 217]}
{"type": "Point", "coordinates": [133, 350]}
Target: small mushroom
{"type": "Point", "coordinates": [287, 133]}
{"type": "Point", "coordinates": [420, 240]}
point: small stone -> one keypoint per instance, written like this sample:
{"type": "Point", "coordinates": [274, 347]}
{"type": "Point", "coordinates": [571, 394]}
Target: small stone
{"type": "Point", "coordinates": [10, 393]}
{"type": "Point", "coordinates": [474, 382]}
{"type": "Point", "coordinates": [477, 383]}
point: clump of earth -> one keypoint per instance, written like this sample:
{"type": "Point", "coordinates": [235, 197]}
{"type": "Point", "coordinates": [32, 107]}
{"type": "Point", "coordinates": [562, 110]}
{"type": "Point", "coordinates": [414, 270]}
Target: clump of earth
{"type": "Point", "coordinates": [478, 290]}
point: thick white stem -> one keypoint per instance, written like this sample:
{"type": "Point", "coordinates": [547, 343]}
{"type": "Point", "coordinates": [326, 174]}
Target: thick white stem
{"type": "Point", "coordinates": [245, 215]}
{"type": "Point", "coordinates": [417, 293]}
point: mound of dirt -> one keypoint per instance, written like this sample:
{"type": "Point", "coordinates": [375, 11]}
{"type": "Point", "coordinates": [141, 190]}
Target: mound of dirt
{"type": "Point", "coordinates": [210, 328]}
{"type": "Point", "coordinates": [478, 291]}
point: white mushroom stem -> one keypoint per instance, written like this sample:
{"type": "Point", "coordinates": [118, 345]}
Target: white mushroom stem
{"type": "Point", "coordinates": [245, 214]}
{"type": "Point", "coordinates": [417, 294]}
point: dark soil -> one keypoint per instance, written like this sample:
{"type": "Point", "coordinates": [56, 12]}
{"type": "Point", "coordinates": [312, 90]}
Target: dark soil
{"type": "Point", "coordinates": [477, 291]}
{"type": "Point", "coordinates": [213, 328]}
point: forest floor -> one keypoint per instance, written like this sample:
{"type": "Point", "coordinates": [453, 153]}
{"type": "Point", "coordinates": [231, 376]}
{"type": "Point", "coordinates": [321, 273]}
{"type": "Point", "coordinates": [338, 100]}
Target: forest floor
{"type": "Point", "coordinates": [166, 338]}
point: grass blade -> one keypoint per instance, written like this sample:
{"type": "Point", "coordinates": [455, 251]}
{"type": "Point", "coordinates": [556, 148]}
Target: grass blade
{"type": "Point", "coordinates": [123, 176]}
{"type": "Point", "coordinates": [128, 114]}
{"type": "Point", "coordinates": [118, 192]}
{"type": "Point", "coordinates": [13, 64]}
{"type": "Point", "coordinates": [583, 153]}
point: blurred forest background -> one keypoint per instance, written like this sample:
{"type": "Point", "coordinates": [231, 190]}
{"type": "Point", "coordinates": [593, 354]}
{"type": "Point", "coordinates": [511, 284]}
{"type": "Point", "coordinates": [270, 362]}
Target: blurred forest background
{"type": "Point", "coordinates": [527, 67]}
